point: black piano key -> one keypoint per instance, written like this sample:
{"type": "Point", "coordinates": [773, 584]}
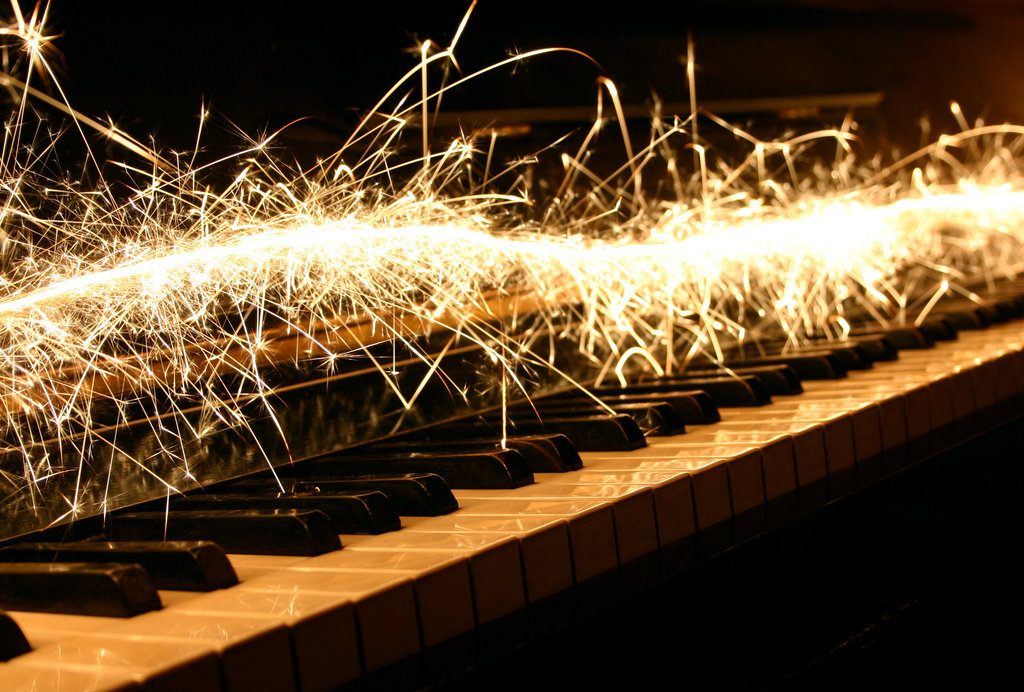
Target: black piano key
{"type": "Point", "coordinates": [355, 511]}
{"type": "Point", "coordinates": [1011, 308]}
{"type": "Point", "coordinates": [564, 450]}
{"type": "Point", "coordinates": [1015, 298]}
{"type": "Point", "coordinates": [850, 355]}
{"type": "Point", "coordinates": [809, 365]}
{"type": "Point", "coordinates": [12, 639]}
{"type": "Point", "coordinates": [77, 588]}
{"type": "Point", "coordinates": [778, 380]}
{"type": "Point", "coordinates": [612, 433]}
{"type": "Point", "coordinates": [987, 313]}
{"type": "Point", "coordinates": [909, 338]}
{"type": "Point", "coordinates": [877, 347]}
{"type": "Point", "coordinates": [966, 319]}
{"type": "Point", "coordinates": [411, 494]}
{"type": "Point", "coordinates": [179, 565]}
{"type": "Point", "coordinates": [1008, 300]}
{"type": "Point", "coordinates": [724, 391]}
{"type": "Point", "coordinates": [654, 417]}
{"type": "Point", "coordinates": [692, 407]}
{"type": "Point", "coordinates": [781, 379]}
{"type": "Point", "coordinates": [992, 314]}
{"type": "Point", "coordinates": [482, 469]}
{"type": "Point", "coordinates": [938, 328]}
{"type": "Point", "coordinates": [543, 453]}
{"type": "Point", "coordinates": [255, 531]}
{"type": "Point", "coordinates": [616, 433]}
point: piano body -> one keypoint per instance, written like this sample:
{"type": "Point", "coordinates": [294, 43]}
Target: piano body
{"type": "Point", "coordinates": [595, 551]}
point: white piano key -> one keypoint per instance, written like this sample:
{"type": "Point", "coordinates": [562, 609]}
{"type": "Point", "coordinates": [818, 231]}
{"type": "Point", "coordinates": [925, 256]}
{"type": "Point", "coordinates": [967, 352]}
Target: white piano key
{"type": "Point", "coordinates": [322, 627]}
{"type": "Point", "coordinates": [837, 433]}
{"type": "Point", "coordinates": [778, 465]}
{"type": "Point", "coordinates": [590, 522]}
{"type": "Point", "coordinates": [440, 580]}
{"type": "Point", "coordinates": [173, 665]}
{"type": "Point", "coordinates": [894, 429]}
{"type": "Point", "coordinates": [16, 676]}
{"type": "Point", "coordinates": [384, 604]}
{"type": "Point", "coordinates": [609, 526]}
{"type": "Point", "coordinates": [671, 484]}
{"type": "Point", "coordinates": [727, 481]}
{"type": "Point", "coordinates": [495, 565]}
{"type": "Point", "coordinates": [545, 553]}
{"type": "Point", "coordinates": [250, 566]}
{"type": "Point", "coordinates": [670, 520]}
{"type": "Point", "coordinates": [865, 440]}
{"type": "Point", "coordinates": [254, 651]}
{"type": "Point", "coordinates": [809, 455]}
{"type": "Point", "coordinates": [43, 629]}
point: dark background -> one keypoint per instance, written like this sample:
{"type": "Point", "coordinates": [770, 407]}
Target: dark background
{"type": "Point", "coordinates": [262, 64]}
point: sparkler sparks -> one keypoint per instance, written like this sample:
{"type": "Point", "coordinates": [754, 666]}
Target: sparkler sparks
{"type": "Point", "coordinates": [177, 304]}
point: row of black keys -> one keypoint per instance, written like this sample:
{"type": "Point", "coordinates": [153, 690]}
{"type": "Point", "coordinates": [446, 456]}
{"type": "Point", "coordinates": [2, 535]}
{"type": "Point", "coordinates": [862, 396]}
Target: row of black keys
{"type": "Point", "coordinates": [118, 572]}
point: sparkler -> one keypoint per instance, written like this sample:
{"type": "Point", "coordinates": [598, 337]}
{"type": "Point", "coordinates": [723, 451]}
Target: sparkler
{"type": "Point", "coordinates": [178, 303]}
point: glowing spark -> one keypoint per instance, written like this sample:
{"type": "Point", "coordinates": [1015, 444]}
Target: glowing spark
{"type": "Point", "coordinates": [181, 299]}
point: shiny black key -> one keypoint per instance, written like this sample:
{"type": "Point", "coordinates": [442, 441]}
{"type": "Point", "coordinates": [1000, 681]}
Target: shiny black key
{"type": "Point", "coordinates": [77, 588]}
{"type": "Point", "coordinates": [1011, 307]}
{"type": "Point", "coordinates": [724, 391]}
{"type": "Point", "coordinates": [179, 565]}
{"type": "Point", "coordinates": [12, 639]}
{"type": "Point", "coordinates": [654, 417]}
{"type": "Point", "coordinates": [610, 433]}
{"type": "Point", "coordinates": [364, 512]}
{"type": "Point", "coordinates": [938, 328]}
{"type": "Point", "coordinates": [811, 365]}
{"type": "Point", "coordinates": [778, 380]}
{"type": "Point", "coordinates": [692, 407]}
{"type": "Point", "coordinates": [543, 453]}
{"type": "Point", "coordinates": [256, 531]}
{"type": "Point", "coordinates": [879, 347]}
{"type": "Point", "coordinates": [909, 338]}
{"type": "Point", "coordinates": [411, 494]}
{"type": "Point", "coordinates": [987, 313]}
{"type": "Point", "coordinates": [496, 469]}
{"type": "Point", "coordinates": [966, 319]}
{"type": "Point", "coordinates": [850, 356]}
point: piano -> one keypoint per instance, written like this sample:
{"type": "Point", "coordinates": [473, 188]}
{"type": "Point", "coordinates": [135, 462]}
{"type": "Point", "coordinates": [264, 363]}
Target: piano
{"type": "Point", "coordinates": [705, 531]}
{"type": "Point", "coordinates": [446, 596]}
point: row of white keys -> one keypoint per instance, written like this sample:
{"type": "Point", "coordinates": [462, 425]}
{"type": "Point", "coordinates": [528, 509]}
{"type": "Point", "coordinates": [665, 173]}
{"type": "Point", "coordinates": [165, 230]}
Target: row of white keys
{"type": "Point", "coordinates": [348, 612]}
{"type": "Point", "coordinates": [602, 517]}
{"type": "Point", "coordinates": [384, 598]}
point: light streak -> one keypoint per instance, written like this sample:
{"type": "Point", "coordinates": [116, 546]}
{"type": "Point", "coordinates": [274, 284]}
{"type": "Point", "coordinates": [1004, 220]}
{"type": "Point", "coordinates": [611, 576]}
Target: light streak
{"type": "Point", "coordinates": [179, 298]}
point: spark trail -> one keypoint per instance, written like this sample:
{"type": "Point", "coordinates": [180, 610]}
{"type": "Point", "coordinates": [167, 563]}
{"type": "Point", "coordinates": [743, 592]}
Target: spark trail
{"type": "Point", "coordinates": [176, 298]}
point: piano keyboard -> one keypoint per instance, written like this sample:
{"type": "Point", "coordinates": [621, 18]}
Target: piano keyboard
{"type": "Point", "coordinates": [405, 602]}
